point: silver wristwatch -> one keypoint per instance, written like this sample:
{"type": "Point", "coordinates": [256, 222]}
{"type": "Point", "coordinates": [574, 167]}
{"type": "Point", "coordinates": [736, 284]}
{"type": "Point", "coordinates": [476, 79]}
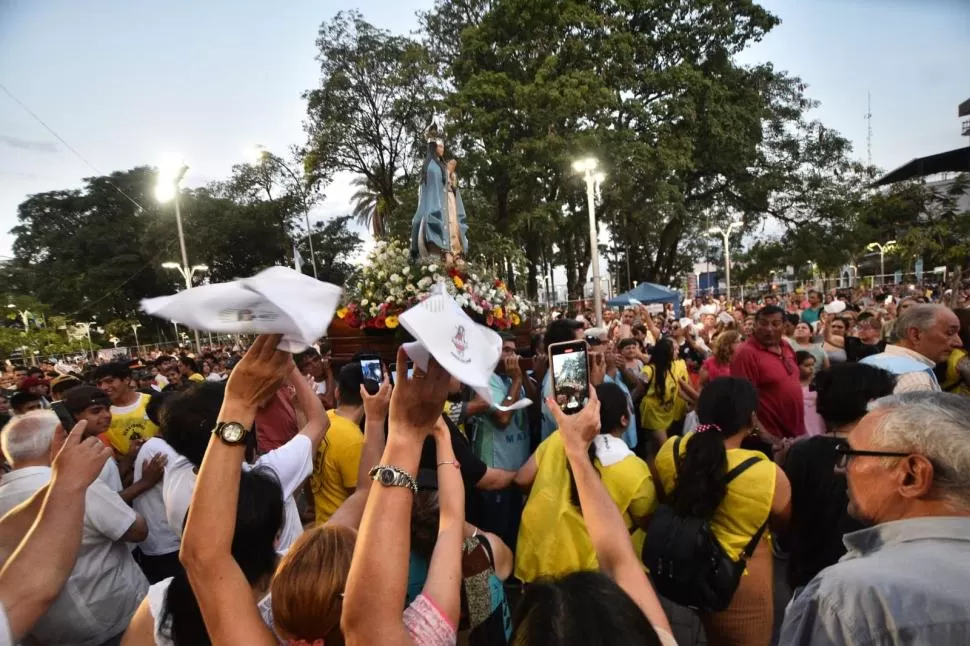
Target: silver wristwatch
{"type": "Point", "coordinates": [391, 476]}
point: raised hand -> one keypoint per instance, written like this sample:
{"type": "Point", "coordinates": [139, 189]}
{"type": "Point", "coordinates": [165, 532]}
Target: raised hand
{"type": "Point", "coordinates": [513, 367]}
{"type": "Point", "coordinates": [153, 470]}
{"type": "Point", "coordinates": [260, 373]}
{"type": "Point", "coordinates": [418, 401]}
{"type": "Point", "coordinates": [377, 405]}
{"type": "Point", "coordinates": [578, 430]}
{"type": "Point", "coordinates": [597, 368]}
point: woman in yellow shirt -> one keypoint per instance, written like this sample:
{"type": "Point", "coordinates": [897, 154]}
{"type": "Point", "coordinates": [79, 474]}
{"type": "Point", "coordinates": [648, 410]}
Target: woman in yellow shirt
{"type": "Point", "coordinates": [694, 486]}
{"type": "Point", "coordinates": [664, 403]}
{"type": "Point", "coordinates": [955, 377]}
{"type": "Point", "coordinates": [553, 539]}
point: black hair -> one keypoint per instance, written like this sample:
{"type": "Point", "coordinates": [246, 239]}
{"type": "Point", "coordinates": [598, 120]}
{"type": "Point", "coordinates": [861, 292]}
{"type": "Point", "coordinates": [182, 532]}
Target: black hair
{"type": "Point", "coordinates": [639, 328]}
{"type": "Point", "coordinates": [113, 370]}
{"type": "Point", "coordinates": [349, 380]}
{"type": "Point", "coordinates": [309, 353]}
{"type": "Point", "coordinates": [35, 372]}
{"type": "Point", "coordinates": [425, 516]}
{"type": "Point", "coordinates": [190, 362]}
{"type": "Point", "coordinates": [580, 609]}
{"type": "Point", "coordinates": [188, 417]}
{"type": "Point", "coordinates": [259, 519]}
{"type": "Point", "coordinates": [64, 385]}
{"type": "Point", "coordinates": [769, 310]}
{"type": "Point", "coordinates": [662, 359]}
{"type": "Point", "coordinates": [793, 319]}
{"type": "Point", "coordinates": [728, 403]}
{"type": "Point", "coordinates": [845, 390]}
{"type": "Point", "coordinates": [626, 342]}
{"type": "Point", "coordinates": [507, 336]}
{"type": "Point", "coordinates": [22, 398]}
{"type": "Point", "coordinates": [613, 406]}
{"type": "Point", "coordinates": [162, 360]}
{"type": "Point", "coordinates": [562, 330]}
{"type": "Point", "coordinates": [802, 355]}
{"type": "Point", "coordinates": [155, 405]}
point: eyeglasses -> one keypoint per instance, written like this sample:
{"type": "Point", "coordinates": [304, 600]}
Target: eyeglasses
{"type": "Point", "coordinates": [845, 454]}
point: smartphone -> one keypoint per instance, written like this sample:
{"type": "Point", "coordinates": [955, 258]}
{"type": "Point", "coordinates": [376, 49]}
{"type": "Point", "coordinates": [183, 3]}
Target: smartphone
{"type": "Point", "coordinates": [569, 366]}
{"type": "Point", "coordinates": [67, 420]}
{"type": "Point", "coordinates": [373, 373]}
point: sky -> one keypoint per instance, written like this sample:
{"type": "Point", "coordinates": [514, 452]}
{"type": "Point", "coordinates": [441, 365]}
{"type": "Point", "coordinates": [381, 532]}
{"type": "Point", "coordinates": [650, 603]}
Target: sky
{"type": "Point", "coordinates": [130, 83]}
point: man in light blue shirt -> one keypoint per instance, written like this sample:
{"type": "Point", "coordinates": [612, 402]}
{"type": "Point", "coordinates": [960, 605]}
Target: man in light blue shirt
{"type": "Point", "coordinates": [906, 579]}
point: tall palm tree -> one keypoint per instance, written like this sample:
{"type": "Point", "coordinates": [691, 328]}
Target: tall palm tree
{"type": "Point", "coordinates": [371, 209]}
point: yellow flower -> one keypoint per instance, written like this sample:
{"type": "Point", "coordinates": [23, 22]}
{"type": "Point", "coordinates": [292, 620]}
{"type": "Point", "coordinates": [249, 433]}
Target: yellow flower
{"type": "Point", "coordinates": [516, 319]}
{"type": "Point", "coordinates": [458, 282]}
{"type": "Point", "coordinates": [391, 322]}
{"type": "Point", "coordinates": [342, 312]}
{"type": "Point", "coordinates": [498, 313]}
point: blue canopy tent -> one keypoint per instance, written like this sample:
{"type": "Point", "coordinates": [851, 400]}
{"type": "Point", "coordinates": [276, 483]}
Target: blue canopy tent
{"type": "Point", "coordinates": [648, 293]}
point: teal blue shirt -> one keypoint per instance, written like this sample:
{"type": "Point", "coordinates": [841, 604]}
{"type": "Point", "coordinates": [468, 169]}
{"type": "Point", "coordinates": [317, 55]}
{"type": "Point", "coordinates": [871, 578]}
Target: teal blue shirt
{"type": "Point", "coordinates": [502, 448]}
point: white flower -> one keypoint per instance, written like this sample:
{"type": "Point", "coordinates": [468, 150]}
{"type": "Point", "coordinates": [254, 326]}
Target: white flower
{"type": "Point", "coordinates": [406, 271]}
{"type": "Point", "coordinates": [424, 283]}
{"type": "Point", "coordinates": [395, 278]}
{"type": "Point", "coordinates": [437, 278]}
{"type": "Point", "coordinates": [381, 275]}
{"type": "Point", "coordinates": [432, 268]}
{"type": "Point", "coordinates": [364, 302]}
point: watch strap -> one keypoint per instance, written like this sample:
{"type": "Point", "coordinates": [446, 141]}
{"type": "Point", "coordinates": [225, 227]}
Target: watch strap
{"type": "Point", "coordinates": [399, 477]}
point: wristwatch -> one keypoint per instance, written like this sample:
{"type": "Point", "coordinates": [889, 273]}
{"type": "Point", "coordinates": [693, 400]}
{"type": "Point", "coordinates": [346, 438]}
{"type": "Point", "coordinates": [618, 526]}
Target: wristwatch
{"type": "Point", "coordinates": [391, 476]}
{"type": "Point", "coordinates": [232, 433]}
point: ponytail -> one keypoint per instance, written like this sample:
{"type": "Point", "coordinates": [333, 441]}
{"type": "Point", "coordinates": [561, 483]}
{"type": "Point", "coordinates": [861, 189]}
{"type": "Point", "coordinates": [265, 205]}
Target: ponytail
{"type": "Point", "coordinates": [724, 409]}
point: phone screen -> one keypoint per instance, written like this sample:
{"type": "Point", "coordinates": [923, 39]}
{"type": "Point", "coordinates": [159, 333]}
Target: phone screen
{"type": "Point", "coordinates": [373, 374]}
{"type": "Point", "coordinates": [570, 375]}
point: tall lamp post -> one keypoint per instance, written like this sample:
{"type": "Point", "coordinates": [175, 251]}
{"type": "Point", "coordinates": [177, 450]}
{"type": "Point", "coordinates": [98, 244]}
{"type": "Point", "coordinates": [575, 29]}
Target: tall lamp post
{"type": "Point", "coordinates": [169, 179]}
{"type": "Point", "coordinates": [726, 235]}
{"type": "Point", "coordinates": [587, 167]}
{"type": "Point", "coordinates": [134, 329]}
{"type": "Point", "coordinates": [188, 273]}
{"type": "Point", "coordinates": [261, 154]}
{"type": "Point", "coordinates": [882, 248]}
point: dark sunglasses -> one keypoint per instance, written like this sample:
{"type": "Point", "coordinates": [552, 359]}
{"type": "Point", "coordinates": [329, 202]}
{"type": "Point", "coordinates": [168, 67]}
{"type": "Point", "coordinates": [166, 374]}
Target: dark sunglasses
{"type": "Point", "coordinates": [846, 454]}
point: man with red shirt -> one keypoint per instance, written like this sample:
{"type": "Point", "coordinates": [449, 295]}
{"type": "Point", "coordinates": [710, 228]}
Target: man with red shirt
{"type": "Point", "coordinates": [770, 365]}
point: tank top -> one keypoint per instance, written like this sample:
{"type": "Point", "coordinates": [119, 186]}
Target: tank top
{"type": "Point", "coordinates": [130, 423]}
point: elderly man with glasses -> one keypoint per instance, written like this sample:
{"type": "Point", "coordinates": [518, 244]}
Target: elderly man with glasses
{"type": "Point", "coordinates": [905, 579]}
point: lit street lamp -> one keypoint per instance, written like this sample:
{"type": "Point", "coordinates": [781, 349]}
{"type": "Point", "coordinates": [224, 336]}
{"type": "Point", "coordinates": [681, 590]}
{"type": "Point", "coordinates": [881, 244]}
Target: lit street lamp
{"type": "Point", "coordinates": [593, 179]}
{"type": "Point", "coordinates": [726, 234]}
{"type": "Point", "coordinates": [134, 329]}
{"type": "Point", "coordinates": [188, 273]}
{"type": "Point", "coordinates": [260, 154]}
{"type": "Point", "coordinates": [883, 248]}
{"type": "Point", "coordinates": [169, 178]}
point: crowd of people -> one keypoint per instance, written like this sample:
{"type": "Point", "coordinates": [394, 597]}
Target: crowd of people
{"type": "Point", "coordinates": [260, 497]}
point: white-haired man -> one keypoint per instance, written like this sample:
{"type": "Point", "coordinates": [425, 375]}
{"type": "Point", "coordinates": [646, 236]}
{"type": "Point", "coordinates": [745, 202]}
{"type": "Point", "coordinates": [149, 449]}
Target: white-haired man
{"type": "Point", "coordinates": [105, 586]}
{"type": "Point", "coordinates": [925, 336]}
{"type": "Point", "coordinates": [905, 579]}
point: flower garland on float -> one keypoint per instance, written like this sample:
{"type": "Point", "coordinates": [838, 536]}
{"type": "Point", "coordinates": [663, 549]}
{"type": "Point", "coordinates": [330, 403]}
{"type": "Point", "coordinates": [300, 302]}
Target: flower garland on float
{"type": "Point", "coordinates": [388, 284]}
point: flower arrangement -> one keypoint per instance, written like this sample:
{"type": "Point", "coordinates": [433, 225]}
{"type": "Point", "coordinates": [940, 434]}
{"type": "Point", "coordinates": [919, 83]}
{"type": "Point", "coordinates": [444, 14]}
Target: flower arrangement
{"type": "Point", "coordinates": [388, 284]}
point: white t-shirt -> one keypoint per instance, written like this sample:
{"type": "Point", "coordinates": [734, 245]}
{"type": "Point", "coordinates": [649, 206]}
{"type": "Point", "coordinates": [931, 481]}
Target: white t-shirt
{"type": "Point", "coordinates": [292, 463]}
{"type": "Point", "coordinates": [111, 476]}
{"type": "Point", "coordinates": [6, 636]}
{"type": "Point", "coordinates": [105, 586]}
{"type": "Point", "coordinates": [161, 539]}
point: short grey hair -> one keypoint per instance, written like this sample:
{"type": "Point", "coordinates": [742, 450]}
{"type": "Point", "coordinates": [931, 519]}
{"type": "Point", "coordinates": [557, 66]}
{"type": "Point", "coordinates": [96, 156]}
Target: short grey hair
{"type": "Point", "coordinates": [28, 436]}
{"type": "Point", "coordinates": [921, 317]}
{"type": "Point", "coordinates": [935, 425]}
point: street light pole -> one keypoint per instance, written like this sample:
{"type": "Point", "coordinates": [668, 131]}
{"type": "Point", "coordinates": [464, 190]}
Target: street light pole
{"type": "Point", "coordinates": [134, 328]}
{"type": "Point", "coordinates": [588, 168]}
{"type": "Point", "coordinates": [262, 154]}
{"type": "Point", "coordinates": [726, 235]}
{"type": "Point", "coordinates": [187, 273]}
{"type": "Point", "coordinates": [883, 248]}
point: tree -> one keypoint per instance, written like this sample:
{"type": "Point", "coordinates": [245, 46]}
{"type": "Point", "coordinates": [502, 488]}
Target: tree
{"type": "Point", "coordinates": [371, 209]}
{"type": "Point", "coordinates": [376, 94]}
{"type": "Point", "coordinates": [335, 245]}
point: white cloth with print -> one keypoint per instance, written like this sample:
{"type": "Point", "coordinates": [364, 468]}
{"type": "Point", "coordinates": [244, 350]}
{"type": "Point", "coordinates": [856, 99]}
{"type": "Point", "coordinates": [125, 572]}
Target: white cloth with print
{"type": "Point", "coordinates": [277, 300]}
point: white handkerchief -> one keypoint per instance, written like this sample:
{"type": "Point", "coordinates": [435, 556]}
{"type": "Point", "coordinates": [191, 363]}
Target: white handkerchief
{"type": "Point", "coordinates": [467, 350]}
{"type": "Point", "coordinates": [277, 300]}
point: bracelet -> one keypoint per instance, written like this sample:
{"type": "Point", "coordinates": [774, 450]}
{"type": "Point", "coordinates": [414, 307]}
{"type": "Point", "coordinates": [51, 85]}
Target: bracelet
{"type": "Point", "coordinates": [454, 462]}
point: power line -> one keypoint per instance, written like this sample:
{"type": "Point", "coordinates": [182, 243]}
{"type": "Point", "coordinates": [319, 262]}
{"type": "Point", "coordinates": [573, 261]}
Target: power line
{"type": "Point", "coordinates": [67, 145]}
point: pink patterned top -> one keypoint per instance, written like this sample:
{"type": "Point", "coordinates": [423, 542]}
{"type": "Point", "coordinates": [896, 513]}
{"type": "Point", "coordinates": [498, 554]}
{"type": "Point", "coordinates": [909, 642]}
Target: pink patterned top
{"type": "Point", "coordinates": [427, 625]}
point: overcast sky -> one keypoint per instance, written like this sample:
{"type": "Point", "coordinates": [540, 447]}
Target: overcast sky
{"type": "Point", "coordinates": [125, 83]}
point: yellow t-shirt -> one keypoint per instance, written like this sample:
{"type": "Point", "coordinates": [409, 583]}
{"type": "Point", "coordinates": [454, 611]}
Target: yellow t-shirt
{"type": "Point", "coordinates": [130, 423]}
{"type": "Point", "coordinates": [335, 466]}
{"type": "Point", "coordinates": [196, 377]}
{"type": "Point", "coordinates": [553, 539]}
{"type": "Point", "coordinates": [659, 410]}
{"type": "Point", "coordinates": [748, 500]}
{"type": "Point", "coordinates": [954, 382]}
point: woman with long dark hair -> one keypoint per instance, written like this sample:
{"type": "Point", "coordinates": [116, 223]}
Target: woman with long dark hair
{"type": "Point", "coordinates": [664, 404]}
{"type": "Point", "coordinates": [171, 616]}
{"type": "Point", "coordinates": [553, 537]}
{"type": "Point", "coordinates": [694, 485]}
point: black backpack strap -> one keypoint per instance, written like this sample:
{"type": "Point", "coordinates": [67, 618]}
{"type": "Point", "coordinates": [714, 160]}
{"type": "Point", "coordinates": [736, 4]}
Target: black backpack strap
{"type": "Point", "coordinates": [749, 550]}
{"type": "Point", "coordinates": [741, 468]}
{"type": "Point", "coordinates": [677, 454]}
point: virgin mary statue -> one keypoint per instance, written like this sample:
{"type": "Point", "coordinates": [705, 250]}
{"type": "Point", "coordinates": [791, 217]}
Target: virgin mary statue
{"type": "Point", "coordinates": [439, 226]}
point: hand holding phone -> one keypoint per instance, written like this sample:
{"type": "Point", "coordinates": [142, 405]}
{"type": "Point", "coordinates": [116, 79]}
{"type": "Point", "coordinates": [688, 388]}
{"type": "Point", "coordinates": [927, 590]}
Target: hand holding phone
{"type": "Point", "coordinates": [569, 364]}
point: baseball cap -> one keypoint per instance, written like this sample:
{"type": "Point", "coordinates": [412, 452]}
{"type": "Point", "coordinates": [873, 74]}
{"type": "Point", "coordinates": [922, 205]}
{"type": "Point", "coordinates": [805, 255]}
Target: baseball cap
{"type": "Point", "coordinates": [80, 397]}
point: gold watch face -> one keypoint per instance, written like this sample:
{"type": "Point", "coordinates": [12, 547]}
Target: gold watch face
{"type": "Point", "coordinates": [233, 433]}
